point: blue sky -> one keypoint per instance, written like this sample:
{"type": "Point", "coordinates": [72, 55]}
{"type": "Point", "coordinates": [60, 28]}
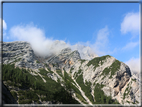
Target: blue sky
{"type": "Point", "coordinates": [108, 28]}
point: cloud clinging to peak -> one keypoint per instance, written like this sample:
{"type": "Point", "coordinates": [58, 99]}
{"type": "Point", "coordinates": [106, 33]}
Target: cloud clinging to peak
{"type": "Point", "coordinates": [43, 45]}
{"type": "Point", "coordinates": [36, 37]}
{"type": "Point", "coordinates": [131, 23]}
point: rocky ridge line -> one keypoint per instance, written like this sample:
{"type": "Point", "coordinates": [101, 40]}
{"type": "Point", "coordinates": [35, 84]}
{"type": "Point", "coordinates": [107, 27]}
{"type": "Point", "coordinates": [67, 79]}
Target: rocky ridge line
{"type": "Point", "coordinates": [106, 70]}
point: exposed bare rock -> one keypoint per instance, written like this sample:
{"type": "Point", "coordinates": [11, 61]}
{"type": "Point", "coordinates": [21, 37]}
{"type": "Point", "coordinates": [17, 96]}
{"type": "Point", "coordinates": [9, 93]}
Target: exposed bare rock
{"type": "Point", "coordinates": [114, 76]}
{"type": "Point", "coordinates": [21, 54]}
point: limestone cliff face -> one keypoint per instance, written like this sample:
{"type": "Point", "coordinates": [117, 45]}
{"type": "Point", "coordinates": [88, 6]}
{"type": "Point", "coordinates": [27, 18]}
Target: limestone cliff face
{"type": "Point", "coordinates": [21, 54]}
{"type": "Point", "coordinates": [115, 76]}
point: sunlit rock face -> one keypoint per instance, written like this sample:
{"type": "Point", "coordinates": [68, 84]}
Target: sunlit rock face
{"type": "Point", "coordinates": [88, 68]}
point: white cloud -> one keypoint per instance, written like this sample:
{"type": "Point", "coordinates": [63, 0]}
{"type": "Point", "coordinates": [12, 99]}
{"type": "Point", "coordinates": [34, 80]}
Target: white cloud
{"type": "Point", "coordinates": [130, 45]}
{"type": "Point", "coordinates": [4, 28]}
{"type": "Point", "coordinates": [131, 23]}
{"type": "Point", "coordinates": [100, 46]}
{"type": "Point", "coordinates": [85, 51]}
{"type": "Point", "coordinates": [36, 37]}
{"type": "Point", "coordinates": [46, 46]}
{"type": "Point", "coordinates": [43, 45]}
{"type": "Point", "coordinates": [134, 64]}
{"type": "Point", "coordinates": [102, 41]}
{"type": "Point", "coordinates": [4, 24]}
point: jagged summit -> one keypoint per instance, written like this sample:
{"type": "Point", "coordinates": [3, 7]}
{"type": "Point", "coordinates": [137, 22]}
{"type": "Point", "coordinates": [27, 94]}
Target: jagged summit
{"type": "Point", "coordinates": [105, 75]}
{"type": "Point", "coordinates": [65, 51]}
{"type": "Point", "coordinates": [85, 51]}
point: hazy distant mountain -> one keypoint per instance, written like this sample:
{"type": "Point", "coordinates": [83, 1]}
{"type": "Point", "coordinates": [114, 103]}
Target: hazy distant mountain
{"type": "Point", "coordinates": [65, 77]}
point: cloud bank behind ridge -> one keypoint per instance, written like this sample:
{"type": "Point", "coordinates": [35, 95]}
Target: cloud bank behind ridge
{"type": "Point", "coordinates": [46, 46]}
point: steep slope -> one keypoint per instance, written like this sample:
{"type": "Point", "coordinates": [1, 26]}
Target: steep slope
{"type": "Point", "coordinates": [114, 76]}
{"type": "Point", "coordinates": [7, 98]}
{"type": "Point", "coordinates": [100, 80]}
{"type": "Point", "coordinates": [31, 89]}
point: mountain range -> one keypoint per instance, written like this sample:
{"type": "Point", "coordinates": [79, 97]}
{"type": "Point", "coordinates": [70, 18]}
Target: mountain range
{"type": "Point", "coordinates": [65, 77]}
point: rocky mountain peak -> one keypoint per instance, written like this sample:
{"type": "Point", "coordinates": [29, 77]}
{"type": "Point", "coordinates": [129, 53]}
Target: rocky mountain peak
{"type": "Point", "coordinates": [113, 77]}
{"type": "Point", "coordinates": [65, 51]}
{"type": "Point", "coordinates": [85, 51]}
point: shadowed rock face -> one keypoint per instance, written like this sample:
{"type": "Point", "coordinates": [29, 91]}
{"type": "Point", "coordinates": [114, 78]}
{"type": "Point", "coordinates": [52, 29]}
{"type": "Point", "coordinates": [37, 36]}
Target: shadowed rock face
{"type": "Point", "coordinates": [122, 77]}
{"type": "Point", "coordinates": [7, 98]}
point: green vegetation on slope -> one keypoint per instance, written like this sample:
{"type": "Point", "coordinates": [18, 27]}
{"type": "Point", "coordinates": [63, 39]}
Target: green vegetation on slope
{"type": "Point", "coordinates": [82, 60]}
{"type": "Point", "coordinates": [16, 60]}
{"type": "Point", "coordinates": [113, 68]}
{"type": "Point", "coordinates": [27, 96]}
{"type": "Point", "coordinates": [53, 90]}
{"type": "Point", "coordinates": [127, 91]}
{"type": "Point", "coordinates": [133, 79]}
{"type": "Point", "coordinates": [71, 69]}
{"type": "Point", "coordinates": [37, 61]}
{"type": "Point", "coordinates": [43, 71]}
{"type": "Point", "coordinates": [59, 72]}
{"type": "Point", "coordinates": [101, 98]}
{"type": "Point", "coordinates": [76, 74]}
{"type": "Point", "coordinates": [86, 88]}
{"type": "Point", "coordinates": [69, 86]}
{"type": "Point", "coordinates": [95, 61]}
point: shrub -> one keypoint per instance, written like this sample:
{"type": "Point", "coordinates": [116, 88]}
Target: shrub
{"type": "Point", "coordinates": [37, 61]}
{"type": "Point", "coordinates": [27, 101]}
